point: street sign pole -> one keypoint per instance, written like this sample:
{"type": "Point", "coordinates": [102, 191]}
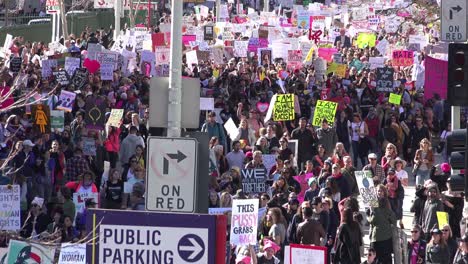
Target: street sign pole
{"type": "Point", "coordinates": [453, 20]}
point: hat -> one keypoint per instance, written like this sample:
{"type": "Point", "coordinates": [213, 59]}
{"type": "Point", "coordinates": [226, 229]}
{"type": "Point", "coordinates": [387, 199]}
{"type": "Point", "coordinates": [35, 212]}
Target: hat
{"type": "Point", "coordinates": [270, 244]}
{"type": "Point", "coordinates": [90, 202]}
{"type": "Point", "coordinates": [329, 161]}
{"type": "Point", "coordinates": [445, 167]}
{"type": "Point", "coordinates": [398, 159]}
{"type": "Point", "coordinates": [311, 180]}
{"type": "Point", "coordinates": [436, 231]}
{"type": "Point", "coordinates": [391, 170]}
{"type": "Point", "coordinates": [372, 156]}
{"type": "Point", "coordinates": [243, 259]}
{"type": "Point", "coordinates": [249, 154]}
{"type": "Point", "coordinates": [38, 200]}
{"type": "Point", "coordinates": [28, 142]}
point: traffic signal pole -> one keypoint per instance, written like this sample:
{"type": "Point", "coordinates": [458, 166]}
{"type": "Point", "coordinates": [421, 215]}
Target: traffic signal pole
{"type": "Point", "coordinates": [466, 161]}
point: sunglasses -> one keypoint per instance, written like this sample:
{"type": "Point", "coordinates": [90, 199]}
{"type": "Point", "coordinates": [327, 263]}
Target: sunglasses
{"type": "Point", "coordinates": [372, 159]}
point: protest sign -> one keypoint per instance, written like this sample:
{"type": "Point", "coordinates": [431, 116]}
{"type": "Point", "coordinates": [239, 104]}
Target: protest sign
{"type": "Point", "coordinates": [435, 77]}
{"type": "Point", "coordinates": [382, 47]}
{"type": "Point", "coordinates": [306, 254]}
{"type": "Point", "coordinates": [324, 110]}
{"type": "Point", "coordinates": [80, 78]}
{"type": "Point", "coordinates": [284, 107]}
{"type": "Point", "coordinates": [115, 117]}
{"type": "Point", "coordinates": [327, 53]}
{"type": "Point", "coordinates": [47, 67]}
{"type": "Point", "coordinates": [61, 77]}
{"type": "Point", "coordinates": [57, 120]}
{"type": "Point", "coordinates": [162, 55]}
{"type": "Point", "coordinates": [41, 118]}
{"type": "Point", "coordinates": [217, 54]}
{"type": "Point", "coordinates": [303, 19]}
{"type": "Point", "coordinates": [269, 160]}
{"type": "Point", "coordinates": [95, 109]}
{"type": "Point", "coordinates": [394, 99]}
{"type": "Point", "coordinates": [240, 48]}
{"type": "Point", "coordinates": [10, 211]}
{"type": "Point", "coordinates": [66, 101]}
{"type": "Point", "coordinates": [253, 45]}
{"type": "Point", "coordinates": [303, 181]}
{"type": "Point", "coordinates": [402, 58]}
{"type": "Point", "coordinates": [29, 252]}
{"type": "Point", "coordinates": [107, 72]}
{"type": "Point", "coordinates": [206, 103]}
{"type": "Point", "coordinates": [208, 32]}
{"type": "Point", "coordinates": [266, 56]}
{"type": "Point", "coordinates": [366, 188]}
{"type": "Point", "coordinates": [366, 40]}
{"type": "Point", "coordinates": [338, 58]}
{"type": "Point", "coordinates": [320, 67]}
{"type": "Point", "coordinates": [72, 253]}
{"type": "Point", "coordinates": [89, 146]}
{"type": "Point", "coordinates": [376, 62]}
{"type": "Point", "coordinates": [15, 64]}
{"type": "Point", "coordinates": [71, 64]}
{"type": "Point", "coordinates": [294, 59]}
{"type": "Point", "coordinates": [338, 69]}
{"type": "Point", "coordinates": [442, 219]}
{"type": "Point", "coordinates": [244, 222]}
{"type": "Point", "coordinates": [253, 180]}
{"type": "Point", "coordinates": [384, 77]}
{"type": "Point", "coordinates": [231, 129]}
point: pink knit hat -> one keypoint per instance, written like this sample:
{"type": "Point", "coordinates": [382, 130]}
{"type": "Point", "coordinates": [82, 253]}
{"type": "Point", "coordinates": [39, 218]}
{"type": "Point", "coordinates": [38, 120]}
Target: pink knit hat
{"type": "Point", "coordinates": [445, 167]}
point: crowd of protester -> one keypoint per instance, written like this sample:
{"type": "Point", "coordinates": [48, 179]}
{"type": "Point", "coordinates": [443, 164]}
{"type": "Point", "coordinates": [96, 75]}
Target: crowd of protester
{"type": "Point", "coordinates": [398, 144]}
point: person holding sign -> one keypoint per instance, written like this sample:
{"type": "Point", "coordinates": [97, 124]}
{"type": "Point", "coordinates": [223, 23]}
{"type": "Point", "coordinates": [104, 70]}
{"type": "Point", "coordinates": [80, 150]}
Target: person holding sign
{"type": "Point", "coordinates": [306, 142]}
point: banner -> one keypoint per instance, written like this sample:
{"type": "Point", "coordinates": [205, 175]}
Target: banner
{"type": "Point", "coordinates": [29, 252]}
{"type": "Point", "coordinates": [72, 254]}
{"type": "Point", "coordinates": [402, 58]}
{"type": "Point", "coordinates": [10, 211]}
{"type": "Point", "coordinates": [394, 99]}
{"type": "Point", "coordinates": [57, 120]}
{"type": "Point", "coordinates": [253, 180]}
{"type": "Point", "coordinates": [244, 221]}
{"type": "Point", "coordinates": [41, 118]}
{"type": "Point", "coordinates": [66, 101]}
{"type": "Point", "coordinates": [366, 188]}
{"type": "Point", "coordinates": [366, 40]}
{"type": "Point", "coordinates": [384, 77]}
{"type": "Point", "coordinates": [435, 77]}
{"type": "Point", "coordinates": [303, 181]}
{"type": "Point", "coordinates": [115, 117]}
{"type": "Point", "coordinates": [324, 110]}
{"type": "Point", "coordinates": [284, 107]}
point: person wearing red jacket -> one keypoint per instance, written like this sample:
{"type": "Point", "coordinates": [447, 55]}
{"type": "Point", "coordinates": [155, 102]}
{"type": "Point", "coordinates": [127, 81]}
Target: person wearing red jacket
{"type": "Point", "coordinates": [112, 145]}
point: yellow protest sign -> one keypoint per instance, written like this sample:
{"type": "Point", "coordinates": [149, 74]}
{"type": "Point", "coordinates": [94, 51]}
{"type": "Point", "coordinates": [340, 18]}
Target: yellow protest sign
{"type": "Point", "coordinates": [394, 99]}
{"type": "Point", "coordinates": [366, 40]}
{"type": "Point", "coordinates": [442, 219]}
{"type": "Point", "coordinates": [324, 110]}
{"type": "Point", "coordinates": [115, 117]}
{"type": "Point", "coordinates": [309, 55]}
{"type": "Point", "coordinates": [284, 107]}
{"type": "Point", "coordinates": [338, 69]}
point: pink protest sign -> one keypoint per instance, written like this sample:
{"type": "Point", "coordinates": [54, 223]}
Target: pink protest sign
{"type": "Point", "coordinates": [402, 58]}
{"type": "Point", "coordinates": [302, 180]}
{"type": "Point", "coordinates": [435, 77]}
{"type": "Point", "coordinates": [187, 38]}
{"type": "Point", "coordinates": [327, 53]}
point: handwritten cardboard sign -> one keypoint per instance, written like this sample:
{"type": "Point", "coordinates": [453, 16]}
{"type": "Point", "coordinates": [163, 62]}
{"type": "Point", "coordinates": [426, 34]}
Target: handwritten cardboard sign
{"type": "Point", "coordinates": [284, 107]}
{"type": "Point", "coordinates": [61, 77]}
{"type": "Point", "coordinates": [384, 78]}
{"type": "Point", "coordinates": [244, 221]}
{"type": "Point", "coordinates": [394, 99]}
{"type": "Point", "coordinates": [324, 110]}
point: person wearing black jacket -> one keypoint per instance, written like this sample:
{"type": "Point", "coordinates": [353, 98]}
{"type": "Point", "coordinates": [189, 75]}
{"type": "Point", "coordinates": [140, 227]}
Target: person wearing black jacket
{"type": "Point", "coordinates": [37, 221]}
{"type": "Point", "coordinates": [306, 143]}
{"type": "Point", "coordinates": [461, 257]}
{"type": "Point", "coordinates": [416, 247]}
{"type": "Point", "coordinates": [418, 132]}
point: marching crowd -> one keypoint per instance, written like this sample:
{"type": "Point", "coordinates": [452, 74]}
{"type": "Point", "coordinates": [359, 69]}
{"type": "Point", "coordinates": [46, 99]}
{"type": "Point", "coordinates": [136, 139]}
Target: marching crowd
{"type": "Point", "coordinates": [397, 144]}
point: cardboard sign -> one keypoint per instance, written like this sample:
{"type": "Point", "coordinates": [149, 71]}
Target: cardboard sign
{"type": "Point", "coordinates": [384, 78]}
{"type": "Point", "coordinates": [376, 62]}
{"type": "Point", "coordinates": [10, 211]}
{"type": "Point", "coordinates": [66, 101]}
{"type": "Point", "coordinates": [284, 107]}
{"type": "Point", "coordinates": [71, 64]}
{"type": "Point", "coordinates": [15, 64]}
{"type": "Point", "coordinates": [89, 146]}
{"type": "Point", "coordinates": [394, 99]}
{"type": "Point", "coordinates": [80, 78]}
{"type": "Point", "coordinates": [306, 254]}
{"type": "Point", "coordinates": [324, 110]}
{"type": "Point", "coordinates": [240, 48]}
{"type": "Point", "coordinates": [402, 58]}
{"type": "Point", "coordinates": [61, 77]}
{"type": "Point", "coordinates": [115, 117]}
{"type": "Point", "coordinates": [253, 181]}
{"type": "Point", "coordinates": [206, 103]}
{"type": "Point", "coordinates": [107, 72]}
{"type": "Point", "coordinates": [108, 57]}
{"type": "Point", "coordinates": [382, 47]}
{"type": "Point", "coordinates": [244, 222]}
{"type": "Point", "coordinates": [41, 118]}
{"type": "Point", "coordinates": [95, 112]}
{"type": "Point", "coordinates": [366, 188]}
{"type": "Point", "coordinates": [57, 120]}
{"type": "Point", "coordinates": [442, 219]}
{"type": "Point", "coordinates": [72, 254]}
{"type": "Point", "coordinates": [303, 181]}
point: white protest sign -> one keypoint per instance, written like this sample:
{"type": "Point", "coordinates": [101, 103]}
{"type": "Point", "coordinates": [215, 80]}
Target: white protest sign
{"type": "Point", "coordinates": [376, 62]}
{"type": "Point", "coordinates": [79, 200]}
{"type": "Point", "coordinates": [72, 254]}
{"type": "Point", "coordinates": [108, 57]}
{"type": "Point", "coordinates": [366, 187]}
{"type": "Point", "coordinates": [71, 64]}
{"type": "Point", "coordinates": [240, 48]}
{"type": "Point", "coordinates": [206, 103]}
{"type": "Point", "coordinates": [382, 47]}
{"type": "Point", "coordinates": [307, 254]}
{"type": "Point", "coordinates": [10, 211]}
{"type": "Point", "coordinates": [47, 66]}
{"type": "Point", "coordinates": [107, 72]}
{"type": "Point", "coordinates": [418, 39]}
{"type": "Point", "coordinates": [231, 129]}
{"type": "Point", "coordinates": [244, 222]}
{"type": "Point", "coordinates": [320, 69]}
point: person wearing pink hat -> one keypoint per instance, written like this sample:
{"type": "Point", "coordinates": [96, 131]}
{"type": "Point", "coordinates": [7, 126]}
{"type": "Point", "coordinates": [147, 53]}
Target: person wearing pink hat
{"type": "Point", "coordinates": [243, 259]}
{"type": "Point", "coordinates": [268, 255]}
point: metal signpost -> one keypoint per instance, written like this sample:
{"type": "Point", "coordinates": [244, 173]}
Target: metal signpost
{"type": "Point", "coordinates": [453, 20]}
{"type": "Point", "coordinates": [171, 183]}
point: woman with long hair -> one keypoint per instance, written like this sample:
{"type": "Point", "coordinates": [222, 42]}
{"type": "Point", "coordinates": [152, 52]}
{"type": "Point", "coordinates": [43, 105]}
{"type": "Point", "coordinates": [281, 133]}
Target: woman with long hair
{"type": "Point", "coordinates": [423, 160]}
{"type": "Point", "coordinates": [56, 165]}
{"type": "Point", "coordinates": [348, 240]}
{"type": "Point", "coordinates": [437, 251]}
{"type": "Point", "coordinates": [452, 244]}
{"type": "Point", "coordinates": [390, 155]}
{"type": "Point", "coordinates": [453, 204]}
{"type": "Point", "coordinates": [382, 219]}
{"type": "Point", "coordinates": [113, 190]}
{"type": "Point", "coordinates": [338, 154]}
{"type": "Point", "coordinates": [296, 220]}
{"type": "Point", "coordinates": [358, 131]}
{"type": "Point", "coordinates": [277, 232]}
{"type": "Point", "coordinates": [69, 232]}
{"type": "Point", "coordinates": [320, 158]}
